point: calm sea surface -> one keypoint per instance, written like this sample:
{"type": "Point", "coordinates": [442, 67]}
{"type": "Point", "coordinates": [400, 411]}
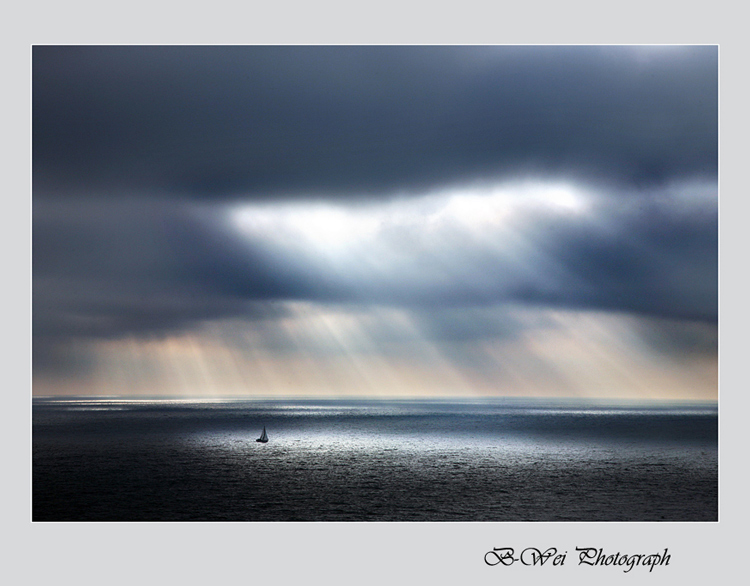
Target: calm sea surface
{"type": "Point", "coordinates": [339, 460]}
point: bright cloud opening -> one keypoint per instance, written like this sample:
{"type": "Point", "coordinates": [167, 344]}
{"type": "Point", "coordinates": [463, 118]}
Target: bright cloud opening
{"type": "Point", "coordinates": [332, 228]}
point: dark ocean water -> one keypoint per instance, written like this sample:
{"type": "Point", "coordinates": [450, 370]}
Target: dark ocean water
{"type": "Point", "coordinates": [339, 460]}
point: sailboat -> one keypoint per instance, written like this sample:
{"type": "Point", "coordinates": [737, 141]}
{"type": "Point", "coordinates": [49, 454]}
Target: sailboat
{"type": "Point", "coordinates": [263, 437]}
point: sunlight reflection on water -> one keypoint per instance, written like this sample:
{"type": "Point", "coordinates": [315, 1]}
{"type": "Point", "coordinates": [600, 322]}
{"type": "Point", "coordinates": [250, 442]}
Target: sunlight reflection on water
{"type": "Point", "coordinates": [371, 461]}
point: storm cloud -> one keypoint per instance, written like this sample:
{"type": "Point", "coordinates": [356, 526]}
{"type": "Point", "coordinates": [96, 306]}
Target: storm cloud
{"type": "Point", "coordinates": [215, 122]}
{"type": "Point", "coordinates": [449, 190]}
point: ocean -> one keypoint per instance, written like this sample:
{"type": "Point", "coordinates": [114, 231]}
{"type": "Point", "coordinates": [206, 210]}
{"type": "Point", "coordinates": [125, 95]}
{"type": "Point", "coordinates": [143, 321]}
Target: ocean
{"type": "Point", "coordinates": [113, 459]}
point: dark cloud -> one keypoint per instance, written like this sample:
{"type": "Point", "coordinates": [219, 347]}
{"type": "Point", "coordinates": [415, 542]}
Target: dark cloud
{"type": "Point", "coordinates": [140, 268]}
{"type": "Point", "coordinates": [257, 121]}
{"type": "Point", "coordinates": [682, 340]}
{"type": "Point", "coordinates": [145, 269]}
{"type": "Point", "coordinates": [659, 260]}
{"type": "Point", "coordinates": [140, 152]}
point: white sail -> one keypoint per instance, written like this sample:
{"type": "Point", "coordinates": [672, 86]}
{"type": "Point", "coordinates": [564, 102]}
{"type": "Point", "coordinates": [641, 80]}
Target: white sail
{"type": "Point", "coordinates": [263, 437]}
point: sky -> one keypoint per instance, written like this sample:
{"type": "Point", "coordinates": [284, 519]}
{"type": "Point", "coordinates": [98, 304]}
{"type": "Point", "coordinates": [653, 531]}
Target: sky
{"type": "Point", "coordinates": [463, 221]}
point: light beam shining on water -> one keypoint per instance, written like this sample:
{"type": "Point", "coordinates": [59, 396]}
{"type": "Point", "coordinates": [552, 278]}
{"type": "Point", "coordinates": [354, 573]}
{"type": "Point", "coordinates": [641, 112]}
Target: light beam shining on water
{"type": "Point", "coordinates": [324, 350]}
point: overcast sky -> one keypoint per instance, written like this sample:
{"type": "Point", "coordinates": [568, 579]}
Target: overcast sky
{"type": "Point", "coordinates": [463, 221]}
